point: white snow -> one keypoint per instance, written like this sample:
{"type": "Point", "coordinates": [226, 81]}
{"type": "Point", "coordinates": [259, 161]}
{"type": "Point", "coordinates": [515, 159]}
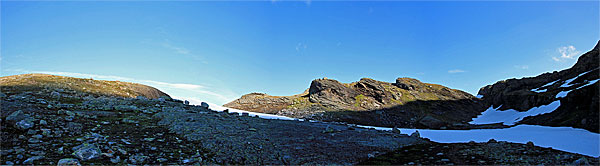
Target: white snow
{"type": "Point", "coordinates": [563, 138]}
{"type": "Point", "coordinates": [511, 116]}
{"type": "Point", "coordinates": [537, 90]}
{"type": "Point", "coordinates": [261, 115]}
{"type": "Point", "coordinates": [589, 83]}
{"type": "Point", "coordinates": [479, 96]}
{"type": "Point", "coordinates": [568, 82]}
{"type": "Point", "coordinates": [562, 94]}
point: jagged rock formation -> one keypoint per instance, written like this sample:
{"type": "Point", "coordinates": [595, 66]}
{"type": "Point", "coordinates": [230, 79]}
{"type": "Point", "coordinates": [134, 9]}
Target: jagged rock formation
{"type": "Point", "coordinates": [405, 103]}
{"type": "Point", "coordinates": [576, 88]}
{"type": "Point", "coordinates": [60, 84]}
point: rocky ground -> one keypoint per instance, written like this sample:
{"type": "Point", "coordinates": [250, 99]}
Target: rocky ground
{"type": "Point", "coordinates": [50, 126]}
{"type": "Point", "coordinates": [490, 153]}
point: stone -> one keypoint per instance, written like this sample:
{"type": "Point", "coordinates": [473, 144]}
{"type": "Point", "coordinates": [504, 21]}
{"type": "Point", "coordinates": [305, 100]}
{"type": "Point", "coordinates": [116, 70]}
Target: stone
{"type": "Point", "coordinates": [186, 102]}
{"type": "Point", "coordinates": [137, 159]}
{"type": "Point", "coordinates": [581, 161]}
{"type": "Point", "coordinates": [396, 130]}
{"type": "Point", "coordinates": [74, 127]}
{"type": "Point", "coordinates": [204, 105]}
{"type": "Point", "coordinates": [440, 154]}
{"type": "Point", "coordinates": [55, 94]}
{"type": "Point", "coordinates": [43, 122]}
{"type": "Point", "coordinates": [37, 136]}
{"type": "Point", "coordinates": [115, 160]}
{"type": "Point", "coordinates": [31, 132]}
{"type": "Point", "coordinates": [9, 163]}
{"type": "Point", "coordinates": [149, 139]}
{"type": "Point", "coordinates": [33, 140]}
{"type": "Point", "coordinates": [445, 160]}
{"type": "Point", "coordinates": [69, 118]}
{"type": "Point", "coordinates": [161, 160]}
{"type": "Point", "coordinates": [530, 144]}
{"type": "Point", "coordinates": [46, 132]}
{"type": "Point", "coordinates": [87, 152]}
{"type": "Point", "coordinates": [416, 134]}
{"type": "Point", "coordinates": [30, 160]}
{"type": "Point", "coordinates": [492, 141]}
{"type": "Point", "coordinates": [68, 162]}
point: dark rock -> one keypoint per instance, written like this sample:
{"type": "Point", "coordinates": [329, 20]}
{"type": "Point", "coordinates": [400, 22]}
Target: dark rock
{"type": "Point", "coordinates": [416, 134]}
{"type": "Point", "coordinates": [137, 159]}
{"type": "Point", "coordinates": [431, 122]}
{"type": "Point", "coordinates": [31, 160]}
{"type": "Point", "coordinates": [68, 162]}
{"type": "Point", "coordinates": [204, 105]}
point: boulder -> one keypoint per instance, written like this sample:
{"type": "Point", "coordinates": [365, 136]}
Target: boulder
{"type": "Point", "coordinates": [204, 105]}
{"type": "Point", "coordinates": [31, 160]}
{"type": "Point", "coordinates": [25, 124]}
{"type": "Point", "coordinates": [68, 162]}
{"type": "Point", "coordinates": [87, 152]}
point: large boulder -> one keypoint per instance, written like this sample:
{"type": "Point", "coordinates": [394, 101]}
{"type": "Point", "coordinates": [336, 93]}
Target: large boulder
{"type": "Point", "coordinates": [20, 120]}
{"type": "Point", "coordinates": [87, 152]}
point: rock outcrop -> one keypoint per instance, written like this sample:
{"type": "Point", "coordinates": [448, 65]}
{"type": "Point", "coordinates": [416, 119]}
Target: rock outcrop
{"type": "Point", "coordinates": [576, 88]}
{"type": "Point", "coordinates": [405, 103]}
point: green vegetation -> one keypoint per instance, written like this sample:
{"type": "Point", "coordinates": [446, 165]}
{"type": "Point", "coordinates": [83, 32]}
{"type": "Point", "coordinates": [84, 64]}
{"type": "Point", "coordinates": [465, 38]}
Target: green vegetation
{"type": "Point", "coordinates": [358, 100]}
{"type": "Point", "coordinates": [300, 102]}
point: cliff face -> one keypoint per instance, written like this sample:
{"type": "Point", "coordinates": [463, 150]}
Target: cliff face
{"type": "Point", "coordinates": [405, 103]}
{"type": "Point", "coordinates": [576, 88]}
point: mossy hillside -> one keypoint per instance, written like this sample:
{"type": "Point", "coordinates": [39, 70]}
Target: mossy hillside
{"type": "Point", "coordinates": [37, 82]}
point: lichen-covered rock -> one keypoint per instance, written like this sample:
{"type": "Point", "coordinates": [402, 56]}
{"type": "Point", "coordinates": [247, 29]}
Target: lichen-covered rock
{"type": "Point", "coordinates": [87, 152]}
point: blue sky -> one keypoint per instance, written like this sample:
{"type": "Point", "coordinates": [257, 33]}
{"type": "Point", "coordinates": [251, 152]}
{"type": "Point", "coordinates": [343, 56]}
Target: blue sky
{"type": "Point", "coordinates": [218, 51]}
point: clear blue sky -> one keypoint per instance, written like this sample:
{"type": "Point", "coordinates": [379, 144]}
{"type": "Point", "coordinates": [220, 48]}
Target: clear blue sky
{"type": "Point", "coordinates": [221, 50]}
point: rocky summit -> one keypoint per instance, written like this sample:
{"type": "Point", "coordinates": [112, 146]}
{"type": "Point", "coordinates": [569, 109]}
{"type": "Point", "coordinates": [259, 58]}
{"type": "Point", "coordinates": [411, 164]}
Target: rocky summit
{"type": "Point", "coordinates": [576, 88]}
{"type": "Point", "coordinates": [406, 103]}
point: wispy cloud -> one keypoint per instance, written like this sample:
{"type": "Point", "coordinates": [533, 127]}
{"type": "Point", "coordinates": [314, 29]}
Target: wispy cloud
{"type": "Point", "coordinates": [178, 50]}
{"type": "Point", "coordinates": [566, 52]}
{"type": "Point", "coordinates": [181, 90]}
{"type": "Point", "coordinates": [301, 47]}
{"type": "Point", "coordinates": [456, 71]}
{"type": "Point", "coordinates": [524, 67]}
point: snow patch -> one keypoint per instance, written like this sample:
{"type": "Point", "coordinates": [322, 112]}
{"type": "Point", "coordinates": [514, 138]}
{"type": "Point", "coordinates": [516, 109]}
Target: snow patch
{"type": "Point", "coordinates": [479, 96]}
{"type": "Point", "coordinates": [219, 108]}
{"type": "Point", "coordinates": [562, 138]}
{"type": "Point", "coordinates": [568, 82]}
{"type": "Point", "coordinates": [537, 90]}
{"type": "Point", "coordinates": [564, 93]}
{"type": "Point", "coordinates": [511, 116]}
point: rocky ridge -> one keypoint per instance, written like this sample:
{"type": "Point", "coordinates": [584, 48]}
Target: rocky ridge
{"type": "Point", "coordinates": [576, 88]}
{"type": "Point", "coordinates": [405, 103]}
